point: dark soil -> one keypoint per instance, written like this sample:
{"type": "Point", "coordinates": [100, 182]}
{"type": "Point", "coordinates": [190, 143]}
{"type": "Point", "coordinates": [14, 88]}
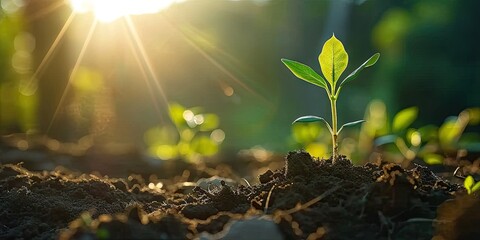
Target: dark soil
{"type": "Point", "coordinates": [306, 199]}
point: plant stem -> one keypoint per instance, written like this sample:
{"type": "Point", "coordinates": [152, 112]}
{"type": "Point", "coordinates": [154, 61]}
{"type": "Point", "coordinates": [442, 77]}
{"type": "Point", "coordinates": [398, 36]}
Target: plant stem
{"type": "Point", "coordinates": [333, 105]}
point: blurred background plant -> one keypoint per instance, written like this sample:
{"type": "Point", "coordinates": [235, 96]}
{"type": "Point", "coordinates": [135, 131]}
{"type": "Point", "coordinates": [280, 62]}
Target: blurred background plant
{"type": "Point", "coordinates": [398, 139]}
{"type": "Point", "coordinates": [109, 69]}
{"type": "Point", "coordinates": [195, 136]}
{"type": "Point", "coordinates": [429, 143]}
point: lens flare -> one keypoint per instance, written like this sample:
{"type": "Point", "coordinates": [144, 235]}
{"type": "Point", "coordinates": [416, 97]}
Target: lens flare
{"type": "Point", "coordinates": [110, 10]}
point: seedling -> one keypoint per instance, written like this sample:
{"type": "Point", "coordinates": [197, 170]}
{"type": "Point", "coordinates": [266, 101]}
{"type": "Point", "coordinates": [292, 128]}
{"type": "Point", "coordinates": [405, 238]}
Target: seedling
{"type": "Point", "coordinates": [333, 61]}
{"type": "Point", "coordinates": [470, 185]}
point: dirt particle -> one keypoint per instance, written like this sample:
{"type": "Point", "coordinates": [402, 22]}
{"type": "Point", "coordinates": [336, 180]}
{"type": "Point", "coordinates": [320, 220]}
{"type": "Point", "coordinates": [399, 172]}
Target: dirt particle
{"type": "Point", "coordinates": [266, 177]}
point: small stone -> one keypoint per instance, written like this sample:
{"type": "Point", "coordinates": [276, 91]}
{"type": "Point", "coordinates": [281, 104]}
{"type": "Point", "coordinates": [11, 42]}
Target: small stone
{"type": "Point", "coordinates": [254, 228]}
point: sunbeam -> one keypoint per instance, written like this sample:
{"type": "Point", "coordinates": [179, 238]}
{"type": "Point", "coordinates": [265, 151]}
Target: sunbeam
{"type": "Point", "coordinates": [74, 71]}
{"type": "Point", "coordinates": [189, 39]}
{"type": "Point", "coordinates": [51, 8]}
{"type": "Point", "coordinates": [111, 10]}
{"type": "Point", "coordinates": [141, 66]}
{"type": "Point", "coordinates": [230, 80]}
{"type": "Point", "coordinates": [46, 58]}
{"type": "Point", "coordinates": [146, 61]}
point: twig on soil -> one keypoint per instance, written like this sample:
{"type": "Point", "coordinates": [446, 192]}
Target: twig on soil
{"type": "Point", "coordinates": [245, 180]}
{"type": "Point", "coordinates": [455, 173]}
{"type": "Point", "coordinates": [418, 220]}
{"type": "Point", "coordinates": [268, 198]}
{"type": "Point", "coordinates": [386, 222]}
{"type": "Point", "coordinates": [287, 215]}
{"type": "Point", "coordinates": [311, 202]}
{"type": "Point", "coordinates": [363, 201]}
{"type": "Point", "coordinates": [393, 227]}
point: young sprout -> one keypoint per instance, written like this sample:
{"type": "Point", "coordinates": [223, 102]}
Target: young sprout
{"type": "Point", "coordinates": [470, 185]}
{"type": "Point", "coordinates": [333, 61]}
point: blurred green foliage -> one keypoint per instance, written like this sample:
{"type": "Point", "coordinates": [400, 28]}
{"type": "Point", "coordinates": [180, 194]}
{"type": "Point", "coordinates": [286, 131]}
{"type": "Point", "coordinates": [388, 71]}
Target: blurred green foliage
{"type": "Point", "coordinates": [397, 140]}
{"type": "Point", "coordinates": [194, 135]}
{"type": "Point", "coordinates": [431, 143]}
{"type": "Point", "coordinates": [470, 184]}
{"type": "Point", "coordinates": [18, 104]}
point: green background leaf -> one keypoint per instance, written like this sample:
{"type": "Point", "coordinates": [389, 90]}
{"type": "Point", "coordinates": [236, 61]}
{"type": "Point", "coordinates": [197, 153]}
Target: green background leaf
{"type": "Point", "coordinates": [468, 183]}
{"type": "Point", "coordinates": [305, 72]}
{"type": "Point", "coordinates": [370, 62]}
{"type": "Point", "coordinates": [433, 159]}
{"type": "Point", "coordinates": [404, 118]}
{"type": "Point", "coordinates": [333, 59]}
{"type": "Point", "coordinates": [476, 187]}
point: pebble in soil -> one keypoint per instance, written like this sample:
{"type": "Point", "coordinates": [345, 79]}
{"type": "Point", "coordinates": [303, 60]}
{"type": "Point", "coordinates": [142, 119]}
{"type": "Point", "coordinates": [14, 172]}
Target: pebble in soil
{"type": "Point", "coordinates": [308, 198]}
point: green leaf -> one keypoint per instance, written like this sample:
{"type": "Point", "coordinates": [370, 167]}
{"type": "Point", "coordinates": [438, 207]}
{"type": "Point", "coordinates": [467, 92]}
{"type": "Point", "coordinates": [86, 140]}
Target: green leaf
{"type": "Point", "coordinates": [433, 159]}
{"type": "Point", "coordinates": [313, 119]}
{"type": "Point", "coordinates": [476, 187]}
{"type": "Point", "coordinates": [449, 131]}
{"type": "Point", "coordinates": [350, 124]}
{"type": "Point", "coordinates": [305, 73]}
{"type": "Point", "coordinates": [333, 60]}
{"type": "Point", "coordinates": [468, 183]}
{"type": "Point", "coordinates": [404, 118]}
{"type": "Point", "coordinates": [370, 62]}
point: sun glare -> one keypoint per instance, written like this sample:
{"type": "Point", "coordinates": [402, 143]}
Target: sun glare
{"type": "Point", "coordinates": [110, 10]}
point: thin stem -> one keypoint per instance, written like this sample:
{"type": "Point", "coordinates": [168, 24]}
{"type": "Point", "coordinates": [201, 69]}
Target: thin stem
{"type": "Point", "coordinates": [333, 105]}
{"type": "Point", "coordinates": [329, 92]}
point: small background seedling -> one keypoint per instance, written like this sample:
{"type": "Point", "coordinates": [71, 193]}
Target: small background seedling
{"type": "Point", "coordinates": [195, 135]}
{"type": "Point", "coordinates": [404, 143]}
{"type": "Point", "coordinates": [333, 61]}
{"type": "Point", "coordinates": [471, 185]}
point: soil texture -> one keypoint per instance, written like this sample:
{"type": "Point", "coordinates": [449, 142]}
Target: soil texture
{"type": "Point", "coordinates": [306, 199]}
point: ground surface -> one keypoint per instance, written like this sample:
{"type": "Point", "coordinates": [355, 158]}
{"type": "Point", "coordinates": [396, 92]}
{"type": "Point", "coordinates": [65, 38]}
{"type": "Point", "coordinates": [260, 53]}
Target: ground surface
{"type": "Point", "coordinates": [306, 199]}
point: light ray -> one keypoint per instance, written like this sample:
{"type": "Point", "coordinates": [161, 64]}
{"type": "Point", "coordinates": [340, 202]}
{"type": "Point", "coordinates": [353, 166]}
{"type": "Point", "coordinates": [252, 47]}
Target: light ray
{"type": "Point", "coordinates": [187, 37]}
{"type": "Point", "coordinates": [271, 106]}
{"type": "Point", "coordinates": [144, 74]}
{"type": "Point", "coordinates": [215, 63]}
{"type": "Point", "coordinates": [143, 54]}
{"type": "Point", "coordinates": [46, 58]}
{"type": "Point", "coordinates": [74, 71]}
{"type": "Point", "coordinates": [111, 10]}
{"type": "Point", "coordinates": [42, 12]}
